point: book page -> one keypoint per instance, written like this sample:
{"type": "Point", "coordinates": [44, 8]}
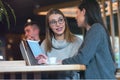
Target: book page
{"type": "Point", "coordinates": [35, 47]}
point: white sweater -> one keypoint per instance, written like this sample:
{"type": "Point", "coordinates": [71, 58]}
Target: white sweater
{"type": "Point", "coordinates": [62, 49]}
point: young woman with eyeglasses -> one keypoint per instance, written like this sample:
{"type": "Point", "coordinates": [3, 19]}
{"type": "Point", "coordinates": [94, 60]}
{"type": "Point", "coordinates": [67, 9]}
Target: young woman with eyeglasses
{"type": "Point", "coordinates": [60, 42]}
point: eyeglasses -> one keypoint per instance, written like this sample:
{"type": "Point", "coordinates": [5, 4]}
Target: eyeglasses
{"type": "Point", "coordinates": [53, 22]}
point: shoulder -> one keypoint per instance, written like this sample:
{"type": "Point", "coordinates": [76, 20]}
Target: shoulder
{"type": "Point", "coordinates": [97, 27]}
{"type": "Point", "coordinates": [43, 44]}
{"type": "Point", "coordinates": [78, 40]}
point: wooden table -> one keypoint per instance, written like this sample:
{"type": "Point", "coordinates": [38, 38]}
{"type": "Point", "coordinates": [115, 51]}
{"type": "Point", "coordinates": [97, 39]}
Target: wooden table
{"type": "Point", "coordinates": [14, 67]}
{"type": "Point", "coordinates": [40, 68]}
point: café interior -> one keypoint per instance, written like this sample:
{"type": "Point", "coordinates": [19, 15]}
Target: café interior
{"type": "Point", "coordinates": [36, 10]}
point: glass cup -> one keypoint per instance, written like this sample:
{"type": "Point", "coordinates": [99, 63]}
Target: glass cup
{"type": "Point", "coordinates": [52, 60]}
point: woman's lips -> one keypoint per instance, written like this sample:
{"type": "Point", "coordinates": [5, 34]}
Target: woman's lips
{"type": "Point", "coordinates": [59, 29]}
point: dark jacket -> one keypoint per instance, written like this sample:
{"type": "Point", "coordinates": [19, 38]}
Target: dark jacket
{"type": "Point", "coordinates": [95, 54]}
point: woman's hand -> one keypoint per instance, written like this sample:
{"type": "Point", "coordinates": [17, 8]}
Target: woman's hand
{"type": "Point", "coordinates": [59, 62]}
{"type": "Point", "coordinates": [42, 59]}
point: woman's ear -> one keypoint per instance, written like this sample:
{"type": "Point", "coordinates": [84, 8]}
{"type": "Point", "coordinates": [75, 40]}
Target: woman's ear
{"type": "Point", "coordinates": [83, 11]}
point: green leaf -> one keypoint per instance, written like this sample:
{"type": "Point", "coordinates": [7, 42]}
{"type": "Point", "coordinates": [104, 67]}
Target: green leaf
{"type": "Point", "coordinates": [0, 17]}
{"type": "Point", "coordinates": [12, 11]}
{"type": "Point", "coordinates": [3, 11]}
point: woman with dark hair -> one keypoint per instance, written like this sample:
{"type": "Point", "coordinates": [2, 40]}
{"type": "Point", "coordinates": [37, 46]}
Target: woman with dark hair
{"type": "Point", "coordinates": [59, 42]}
{"type": "Point", "coordinates": [96, 51]}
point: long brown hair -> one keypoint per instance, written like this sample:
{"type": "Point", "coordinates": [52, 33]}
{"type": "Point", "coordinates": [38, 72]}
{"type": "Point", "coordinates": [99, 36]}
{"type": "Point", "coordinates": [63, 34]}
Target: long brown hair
{"type": "Point", "coordinates": [93, 15]}
{"type": "Point", "coordinates": [69, 37]}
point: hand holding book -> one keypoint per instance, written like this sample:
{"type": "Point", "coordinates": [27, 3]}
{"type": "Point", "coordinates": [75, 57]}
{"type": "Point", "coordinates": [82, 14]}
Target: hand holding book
{"type": "Point", "coordinates": [42, 59]}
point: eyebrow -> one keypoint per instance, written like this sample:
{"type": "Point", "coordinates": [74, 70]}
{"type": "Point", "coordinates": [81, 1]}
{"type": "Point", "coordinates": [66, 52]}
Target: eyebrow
{"type": "Point", "coordinates": [61, 17]}
{"type": "Point", "coordinates": [26, 30]}
{"type": "Point", "coordinates": [58, 18]}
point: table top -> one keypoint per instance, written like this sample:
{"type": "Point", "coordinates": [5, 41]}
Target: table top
{"type": "Point", "coordinates": [39, 68]}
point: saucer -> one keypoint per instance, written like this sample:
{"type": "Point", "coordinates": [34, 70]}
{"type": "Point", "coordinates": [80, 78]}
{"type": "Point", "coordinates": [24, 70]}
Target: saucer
{"type": "Point", "coordinates": [52, 63]}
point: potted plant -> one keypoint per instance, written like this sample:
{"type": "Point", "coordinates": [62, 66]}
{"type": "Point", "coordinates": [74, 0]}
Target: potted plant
{"type": "Point", "coordinates": [4, 12]}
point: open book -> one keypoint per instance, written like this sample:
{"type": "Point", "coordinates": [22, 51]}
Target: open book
{"type": "Point", "coordinates": [30, 49]}
{"type": "Point", "coordinates": [35, 47]}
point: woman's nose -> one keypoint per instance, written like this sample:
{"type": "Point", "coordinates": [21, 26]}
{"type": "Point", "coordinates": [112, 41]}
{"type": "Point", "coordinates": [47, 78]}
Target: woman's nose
{"type": "Point", "coordinates": [57, 24]}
